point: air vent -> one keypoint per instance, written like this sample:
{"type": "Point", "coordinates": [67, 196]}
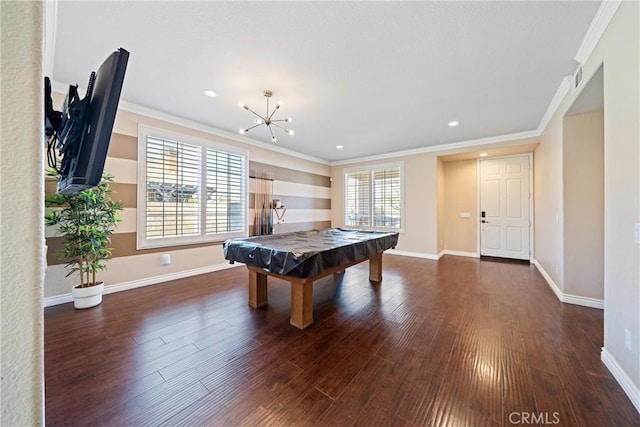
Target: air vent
{"type": "Point", "coordinates": [577, 78]}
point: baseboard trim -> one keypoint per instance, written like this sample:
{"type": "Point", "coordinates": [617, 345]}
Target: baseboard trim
{"type": "Point", "coordinates": [125, 286]}
{"type": "Point", "coordinates": [568, 298]}
{"type": "Point", "coordinates": [459, 253]}
{"type": "Point", "coordinates": [556, 290]}
{"type": "Point", "coordinates": [431, 256]}
{"type": "Point", "coordinates": [621, 376]}
{"type": "Point", "coordinates": [412, 254]}
{"type": "Point", "coordinates": [584, 301]}
{"type": "Point", "coordinates": [57, 300]}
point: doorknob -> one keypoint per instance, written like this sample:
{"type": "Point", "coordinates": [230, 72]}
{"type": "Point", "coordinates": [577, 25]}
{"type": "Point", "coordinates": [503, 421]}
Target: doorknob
{"type": "Point", "coordinates": [485, 221]}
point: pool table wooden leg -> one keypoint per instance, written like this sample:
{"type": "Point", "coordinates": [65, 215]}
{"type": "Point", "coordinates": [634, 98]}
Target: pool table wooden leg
{"type": "Point", "coordinates": [375, 268]}
{"type": "Point", "coordinates": [257, 289]}
{"type": "Point", "coordinates": [301, 304]}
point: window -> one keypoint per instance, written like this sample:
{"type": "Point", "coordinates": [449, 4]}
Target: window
{"type": "Point", "coordinates": [189, 190]}
{"type": "Point", "coordinates": [373, 197]}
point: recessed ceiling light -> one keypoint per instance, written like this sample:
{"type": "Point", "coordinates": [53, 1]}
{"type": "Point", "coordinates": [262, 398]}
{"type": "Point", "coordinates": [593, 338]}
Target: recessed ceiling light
{"type": "Point", "coordinates": [210, 93]}
{"type": "Point", "coordinates": [483, 154]}
{"type": "Point", "coordinates": [454, 123]}
{"type": "Point", "coordinates": [339, 147]}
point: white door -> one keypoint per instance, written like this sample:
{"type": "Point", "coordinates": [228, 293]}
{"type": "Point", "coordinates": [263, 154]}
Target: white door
{"type": "Point", "coordinates": [505, 207]}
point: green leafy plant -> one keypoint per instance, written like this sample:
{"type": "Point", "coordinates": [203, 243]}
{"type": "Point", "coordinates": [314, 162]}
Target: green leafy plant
{"type": "Point", "coordinates": [86, 220]}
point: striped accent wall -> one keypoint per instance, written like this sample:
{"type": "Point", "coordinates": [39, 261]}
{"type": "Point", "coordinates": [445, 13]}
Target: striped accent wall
{"type": "Point", "coordinates": [307, 197]}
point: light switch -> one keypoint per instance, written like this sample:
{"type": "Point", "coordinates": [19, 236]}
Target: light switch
{"type": "Point", "coordinates": [638, 233]}
{"type": "Point", "coordinates": [465, 215]}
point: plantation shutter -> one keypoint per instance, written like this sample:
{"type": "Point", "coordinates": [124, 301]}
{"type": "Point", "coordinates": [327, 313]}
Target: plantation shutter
{"type": "Point", "coordinates": [173, 184]}
{"type": "Point", "coordinates": [386, 197]}
{"type": "Point", "coordinates": [357, 200]}
{"type": "Point", "coordinates": [225, 183]}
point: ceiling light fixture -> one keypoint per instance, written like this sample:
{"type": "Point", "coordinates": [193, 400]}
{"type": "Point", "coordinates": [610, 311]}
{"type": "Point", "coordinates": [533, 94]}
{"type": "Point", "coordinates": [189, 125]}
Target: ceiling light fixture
{"type": "Point", "coordinates": [483, 154]}
{"type": "Point", "coordinates": [210, 93]}
{"type": "Point", "coordinates": [267, 119]}
{"type": "Point", "coordinates": [454, 123]}
{"type": "Point", "coordinates": [339, 147]}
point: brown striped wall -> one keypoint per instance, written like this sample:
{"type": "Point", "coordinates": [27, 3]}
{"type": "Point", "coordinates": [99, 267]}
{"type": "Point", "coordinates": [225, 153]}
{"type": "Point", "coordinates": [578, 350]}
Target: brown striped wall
{"type": "Point", "coordinates": [304, 188]}
{"type": "Point", "coordinates": [124, 243]}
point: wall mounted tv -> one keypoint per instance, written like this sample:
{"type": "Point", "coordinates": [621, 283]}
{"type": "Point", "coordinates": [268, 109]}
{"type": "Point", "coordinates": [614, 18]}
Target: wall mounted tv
{"type": "Point", "coordinates": [82, 130]}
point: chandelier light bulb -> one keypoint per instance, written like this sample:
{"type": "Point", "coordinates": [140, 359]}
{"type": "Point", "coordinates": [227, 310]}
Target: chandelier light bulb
{"type": "Point", "coordinates": [288, 120]}
{"type": "Point", "coordinates": [273, 138]}
{"type": "Point", "coordinates": [290, 132]}
{"type": "Point", "coordinates": [243, 131]}
{"type": "Point", "coordinates": [258, 121]}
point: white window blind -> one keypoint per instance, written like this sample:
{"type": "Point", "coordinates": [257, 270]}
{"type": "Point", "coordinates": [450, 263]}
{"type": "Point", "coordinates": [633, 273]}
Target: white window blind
{"type": "Point", "coordinates": [193, 192]}
{"type": "Point", "coordinates": [386, 198]}
{"type": "Point", "coordinates": [357, 200]}
{"type": "Point", "coordinates": [173, 180]}
{"type": "Point", "coordinates": [225, 192]}
{"type": "Point", "coordinates": [373, 198]}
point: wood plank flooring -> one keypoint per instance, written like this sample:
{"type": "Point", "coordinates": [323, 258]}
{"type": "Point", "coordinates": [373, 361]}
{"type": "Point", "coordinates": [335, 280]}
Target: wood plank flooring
{"type": "Point", "coordinates": [458, 342]}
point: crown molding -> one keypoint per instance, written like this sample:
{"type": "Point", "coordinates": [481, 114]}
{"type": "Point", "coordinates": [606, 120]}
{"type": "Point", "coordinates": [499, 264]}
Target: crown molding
{"type": "Point", "coordinates": [599, 24]}
{"type": "Point", "coordinates": [190, 124]}
{"type": "Point", "coordinates": [561, 92]}
{"type": "Point", "coordinates": [441, 148]}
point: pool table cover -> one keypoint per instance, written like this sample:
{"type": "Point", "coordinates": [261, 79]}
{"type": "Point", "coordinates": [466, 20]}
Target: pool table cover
{"type": "Point", "coordinates": [308, 253]}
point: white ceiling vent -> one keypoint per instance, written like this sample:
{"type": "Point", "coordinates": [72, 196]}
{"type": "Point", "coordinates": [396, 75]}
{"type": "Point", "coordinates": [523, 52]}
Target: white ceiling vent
{"type": "Point", "coordinates": [577, 77]}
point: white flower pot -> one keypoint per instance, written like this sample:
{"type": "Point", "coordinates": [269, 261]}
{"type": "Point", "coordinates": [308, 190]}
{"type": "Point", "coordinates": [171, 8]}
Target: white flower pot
{"type": "Point", "coordinates": [87, 297]}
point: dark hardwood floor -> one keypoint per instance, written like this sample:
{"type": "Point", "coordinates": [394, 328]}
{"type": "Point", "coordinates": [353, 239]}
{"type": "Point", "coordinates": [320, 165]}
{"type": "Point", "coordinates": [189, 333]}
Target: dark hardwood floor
{"type": "Point", "coordinates": [459, 342]}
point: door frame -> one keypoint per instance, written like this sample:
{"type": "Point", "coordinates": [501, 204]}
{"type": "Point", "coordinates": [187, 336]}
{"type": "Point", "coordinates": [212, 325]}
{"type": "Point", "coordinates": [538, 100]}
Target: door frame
{"type": "Point", "coordinates": [531, 199]}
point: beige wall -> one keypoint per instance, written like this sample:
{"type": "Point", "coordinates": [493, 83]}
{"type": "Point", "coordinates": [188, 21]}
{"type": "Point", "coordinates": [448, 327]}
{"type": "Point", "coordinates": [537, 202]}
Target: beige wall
{"type": "Point", "coordinates": [583, 179]}
{"type": "Point", "coordinates": [303, 186]}
{"type": "Point", "coordinates": [618, 51]}
{"type": "Point", "coordinates": [420, 232]}
{"type": "Point", "coordinates": [428, 195]}
{"type": "Point", "coordinates": [461, 195]}
{"type": "Point", "coordinates": [21, 201]}
{"type": "Point", "coordinates": [548, 194]}
{"type": "Point", "coordinates": [441, 207]}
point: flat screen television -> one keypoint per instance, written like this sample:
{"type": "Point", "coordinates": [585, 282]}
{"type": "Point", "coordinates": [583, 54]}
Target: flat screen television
{"type": "Point", "coordinates": [81, 132]}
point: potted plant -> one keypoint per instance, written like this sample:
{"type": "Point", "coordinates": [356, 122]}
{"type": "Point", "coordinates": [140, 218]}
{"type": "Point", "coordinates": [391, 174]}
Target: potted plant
{"type": "Point", "coordinates": [86, 220]}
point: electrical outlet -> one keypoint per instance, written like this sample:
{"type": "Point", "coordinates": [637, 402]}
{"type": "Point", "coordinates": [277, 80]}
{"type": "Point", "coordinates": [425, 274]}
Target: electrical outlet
{"type": "Point", "coordinates": [557, 269]}
{"type": "Point", "coordinates": [627, 339]}
{"type": "Point", "coordinates": [165, 260]}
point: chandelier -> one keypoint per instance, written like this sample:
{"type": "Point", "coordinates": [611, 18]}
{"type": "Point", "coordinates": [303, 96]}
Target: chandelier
{"type": "Point", "coordinates": [267, 119]}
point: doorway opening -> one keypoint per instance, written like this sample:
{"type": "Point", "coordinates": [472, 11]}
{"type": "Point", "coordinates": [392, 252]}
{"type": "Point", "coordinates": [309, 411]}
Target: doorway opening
{"type": "Point", "coordinates": [583, 192]}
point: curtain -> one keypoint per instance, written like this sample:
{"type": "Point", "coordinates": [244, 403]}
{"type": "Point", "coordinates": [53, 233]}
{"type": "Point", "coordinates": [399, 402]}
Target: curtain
{"type": "Point", "coordinates": [263, 198]}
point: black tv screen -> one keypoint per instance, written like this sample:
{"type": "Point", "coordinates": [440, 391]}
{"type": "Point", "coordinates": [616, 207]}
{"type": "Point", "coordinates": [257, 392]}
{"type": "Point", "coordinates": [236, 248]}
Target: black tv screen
{"type": "Point", "coordinates": [82, 130]}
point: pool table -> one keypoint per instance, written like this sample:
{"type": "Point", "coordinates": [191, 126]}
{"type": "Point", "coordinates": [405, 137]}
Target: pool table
{"type": "Point", "coordinates": [303, 257]}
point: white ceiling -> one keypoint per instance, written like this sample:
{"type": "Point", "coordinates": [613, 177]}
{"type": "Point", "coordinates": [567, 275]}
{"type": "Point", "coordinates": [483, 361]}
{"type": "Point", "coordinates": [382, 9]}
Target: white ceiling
{"type": "Point", "coordinates": [376, 77]}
